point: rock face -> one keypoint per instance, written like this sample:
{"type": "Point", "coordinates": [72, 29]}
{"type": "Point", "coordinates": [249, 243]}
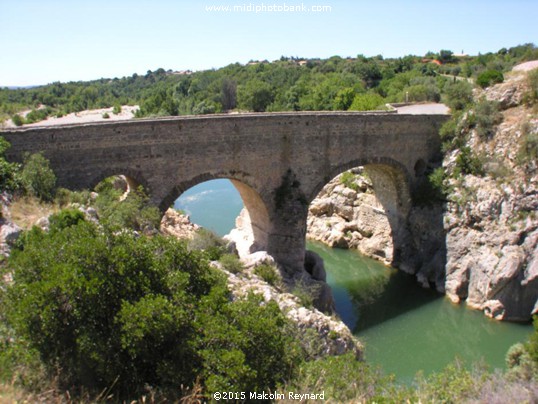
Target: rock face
{"type": "Point", "coordinates": [321, 334]}
{"type": "Point", "coordinates": [489, 231]}
{"type": "Point", "coordinates": [177, 225]}
{"type": "Point", "coordinates": [342, 217]}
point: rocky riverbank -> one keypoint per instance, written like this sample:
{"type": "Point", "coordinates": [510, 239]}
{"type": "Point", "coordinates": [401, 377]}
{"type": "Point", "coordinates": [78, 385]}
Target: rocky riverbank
{"type": "Point", "coordinates": [481, 246]}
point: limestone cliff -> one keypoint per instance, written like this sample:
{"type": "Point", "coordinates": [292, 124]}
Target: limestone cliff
{"type": "Point", "coordinates": [490, 219]}
{"type": "Point", "coordinates": [485, 250]}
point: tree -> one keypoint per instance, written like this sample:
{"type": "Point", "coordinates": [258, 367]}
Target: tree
{"type": "Point", "coordinates": [366, 102]}
{"type": "Point", "coordinates": [255, 95]}
{"type": "Point", "coordinates": [229, 94]}
{"type": "Point", "coordinates": [38, 178]}
{"type": "Point", "coordinates": [9, 172]}
{"type": "Point", "coordinates": [446, 56]}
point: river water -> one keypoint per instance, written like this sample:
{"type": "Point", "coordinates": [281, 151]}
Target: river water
{"type": "Point", "coordinates": [405, 328]}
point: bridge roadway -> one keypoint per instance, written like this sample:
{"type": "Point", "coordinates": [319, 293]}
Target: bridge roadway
{"type": "Point", "coordinates": [278, 161]}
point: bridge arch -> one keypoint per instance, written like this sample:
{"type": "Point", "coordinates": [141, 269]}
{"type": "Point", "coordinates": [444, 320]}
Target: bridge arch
{"type": "Point", "coordinates": [254, 221]}
{"type": "Point", "coordinates": [134, 178]}
{"type": "Point", "coordinates": [391, 183]}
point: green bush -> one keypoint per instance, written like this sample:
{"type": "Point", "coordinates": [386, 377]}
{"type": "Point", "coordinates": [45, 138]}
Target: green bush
{"type": "Point", "coordinates": [458, 95]}
{"type": "Point", "coordinates": [133, 212]}
{"type": "Point", "coordinates": [528, 150]}
{"type": "Point", "coordinates": [489, 77]}
{"type": "Point", "coordinates": [367, 102]}
{"type": "Point", "coordinates": [468, 163]}
{"type": "Point", "coordinates": [231, 263]}
{"type": "Point", "coordinates": [38, 178]}
{"type": "Point", "coordinates": [37, 115]}
{"type": "Point", "coordinates": [207, 241]}
{"type": "Point", "coordinates": [348, 179]}
{"type": "Point", "coordinates": [17, 120]}
{"type": "Point", "coordinates": [268, 273]}
{"type": "Point", "coordinates": [486, 116]}
{"type": "Point", "coordinates": [65, 218]}
{"type": "Point", "coordinates": [117, 109]}
{"type": "Point", "coordinates": [531, 96]}
{"type": "Point", "coordinates": [123, 312]}
{"type": "Point", "coordinates": [9, 172]}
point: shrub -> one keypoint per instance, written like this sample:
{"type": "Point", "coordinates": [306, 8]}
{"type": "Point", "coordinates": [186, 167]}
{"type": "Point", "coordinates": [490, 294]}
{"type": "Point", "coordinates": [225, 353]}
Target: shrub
{"type": "Point", "coordinates": [348, 179]}
{"type": "Point", "coordinates": [117, 109]}
{"type": "Point", "coordinates": [37, 115]}
{"type": "Point", "coordinates": [38, 178]}
{"type": "Point", "coordinates": [367, 102]}
{"type": "Point", "coordinates": [468, 163]}
{"type": "Point", "coordinates": [65, 218]}
{"type": "Point", "coordinates": [9, 172]}
{"type": "Point", "coordinates": [231, 263]}
{"type": "Point", "coordinates": [207, 241]}
{"type": "Point", "coordinates": [458, 95]}
{"type": "Point", "coordinates": [17, 120]}
{"type": "Point", "coordinates": [106, 115]}
{"type": "Point", "coordinates": [268, 273]}
{"type": "Point", "coordinates": [489, 77]}
{"type": "Point", "coordinates": [133, 212]}
{"type": "Point", "coordinates": [117, 311]}
{"type": "Point", "coordinates": [528, 150]}
{"type": "Point", "coordinates": [531, 96]}
{"type": "Point", "coordinates": [486, 116]}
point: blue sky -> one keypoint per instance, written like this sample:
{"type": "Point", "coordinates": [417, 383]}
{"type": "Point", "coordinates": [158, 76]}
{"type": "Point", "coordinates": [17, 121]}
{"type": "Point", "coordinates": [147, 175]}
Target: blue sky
{"type": "Point", "coordinates": [42, 41]}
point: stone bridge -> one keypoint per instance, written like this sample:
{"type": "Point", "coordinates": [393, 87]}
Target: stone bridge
{"type": "Point", "coordinates": [278, 162]}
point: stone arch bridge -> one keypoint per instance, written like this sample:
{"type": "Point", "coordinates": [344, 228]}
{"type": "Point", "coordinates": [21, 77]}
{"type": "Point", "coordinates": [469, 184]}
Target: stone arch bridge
{"type": "Point", "coordinates": [278, 161]}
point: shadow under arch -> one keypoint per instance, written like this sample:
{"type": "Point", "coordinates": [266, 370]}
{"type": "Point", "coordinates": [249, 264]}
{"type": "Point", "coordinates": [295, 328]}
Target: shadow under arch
{"type": "Point", "coordinates": [254, 217]}
{"type": "Point", "coordinates": [392, 187]}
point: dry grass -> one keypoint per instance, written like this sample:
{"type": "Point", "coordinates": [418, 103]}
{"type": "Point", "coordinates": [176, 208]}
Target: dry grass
{"type": "Point", "coordinates": [25, 211]}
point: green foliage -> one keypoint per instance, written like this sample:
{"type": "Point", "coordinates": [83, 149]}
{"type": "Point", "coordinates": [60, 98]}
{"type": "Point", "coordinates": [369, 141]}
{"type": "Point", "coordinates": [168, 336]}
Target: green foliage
{"type": "Point", "coordinates": [255, 95]}
{"type": "Point", "coordinates": [231, 263]}
{"type": "Point", "coordinates": [113, 310]}
{"type": "Point", "coordinates": [117, 109]}
{"type": "Point", "coordinates": [283, 85]}
{"type": "Point", "coordinates": [65, 218]}
{"type": "Point", "coordinates": [342, 378]}
{"type": "Point", "coordinates": [489, 77]}
{"type": "Point", "coordinates": [9, 172]}
{"type": "Point", "coordinates": [304, 293]}
{"type": "Point", "coordinates": [64, 197]}
{"type": "Point", "coordinates": [348, 180]}
{"type": "Point", "coordinates": [268, 273]}
{"type": "Point", "coordinates": [458, 95]}
{"type": "Point", "coordinates": [37, 177]}
{"type": "Point", "coordinates": [454, 384]}
{"type": "Point", "coordinates": [468, 163]}
{"type": "Point", "coordinates": [432, 188]}
{"type": "Point", "coordinates": [531, 96]}
{"type": "Point", "coordinates": [367, 102]}
{"type": "Point", "coordinates": [344, 98]}
{"type": "Point", "coordinates": [133, 212]}
{"type": "Point", "coordinates": [528, 150]}
{"type": "Point", "coordinates": [486, 116]}
{"type": "Point", "coordinates": [37, 115]}
{"type": "Point", "coordinates": [106, 115]}
{"type": "Point", "coordinates": [17, 120]}
{"type": "Point", "coordinates": [206, 240]}
{"type": "Point", "coordinates": [532, 345]}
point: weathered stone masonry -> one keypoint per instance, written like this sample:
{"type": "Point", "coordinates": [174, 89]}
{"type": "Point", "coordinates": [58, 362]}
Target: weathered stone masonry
{"type": "Point", "coordinates": [278, 162]}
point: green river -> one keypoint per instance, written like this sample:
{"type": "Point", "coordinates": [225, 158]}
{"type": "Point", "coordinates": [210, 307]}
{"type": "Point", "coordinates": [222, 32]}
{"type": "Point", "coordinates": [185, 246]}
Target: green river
{"type": "Point", "coordinates": [405, 328]}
